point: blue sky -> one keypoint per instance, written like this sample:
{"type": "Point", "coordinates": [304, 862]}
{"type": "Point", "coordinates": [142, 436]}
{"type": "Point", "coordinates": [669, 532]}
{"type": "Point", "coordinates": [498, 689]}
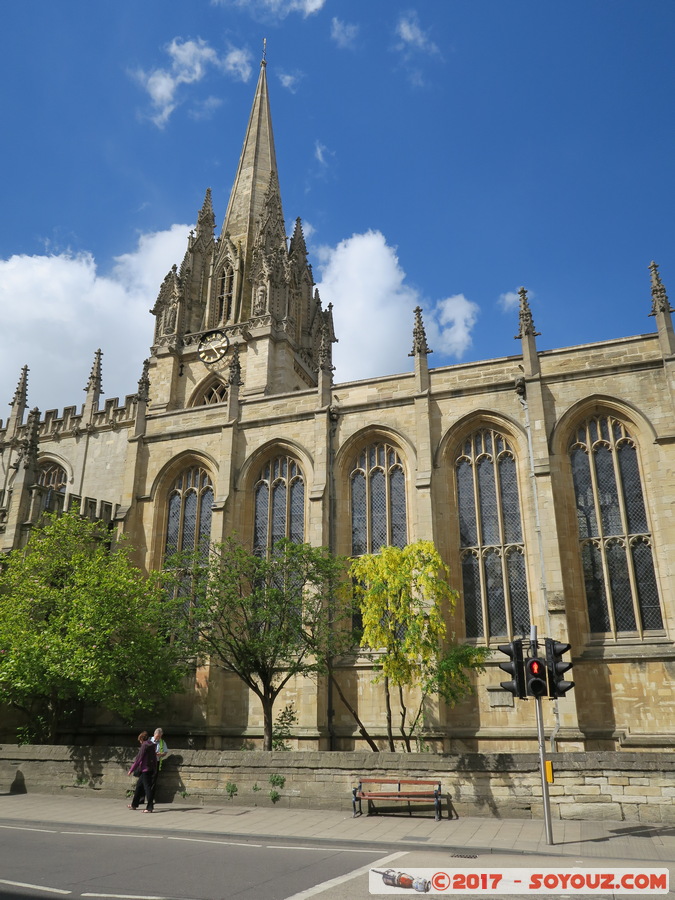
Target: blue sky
{"type": "Point", "coordinates": [440, 153]}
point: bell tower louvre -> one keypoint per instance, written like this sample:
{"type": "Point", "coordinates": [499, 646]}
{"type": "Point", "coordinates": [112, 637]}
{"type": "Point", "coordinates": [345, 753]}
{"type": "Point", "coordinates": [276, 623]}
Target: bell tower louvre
{"type": "Point", "coordinates": [249, 287]}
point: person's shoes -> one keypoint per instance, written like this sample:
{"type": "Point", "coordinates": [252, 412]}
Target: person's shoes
{"type": "Point", "coordinates": [129, 806]}
{"type": "Point", "coordinates": [148, 810]}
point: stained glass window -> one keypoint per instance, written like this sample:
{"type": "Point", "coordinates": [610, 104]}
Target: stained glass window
{"type": "Point", "coordinates": [52, 477]}
{"type": "Point", "coordinates": [378, 502]}
{"type": "Point", "coordinates": [216, 392]}
{"type": "Point", "coordinates": [225, 286]}
{"type": "Point", "coordinates": [494, 582]}
{"type": "Point", "coordinates": [189, 512]}
{"type": "Point", "coordinates": [614, 536]}
{"type": "Point", "coordinates": [279, 504]}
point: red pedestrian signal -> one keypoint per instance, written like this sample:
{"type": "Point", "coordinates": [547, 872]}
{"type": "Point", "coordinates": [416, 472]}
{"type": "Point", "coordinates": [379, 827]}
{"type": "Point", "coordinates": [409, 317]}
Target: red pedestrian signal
{"type": "Point", "coordinates": [535, 678]}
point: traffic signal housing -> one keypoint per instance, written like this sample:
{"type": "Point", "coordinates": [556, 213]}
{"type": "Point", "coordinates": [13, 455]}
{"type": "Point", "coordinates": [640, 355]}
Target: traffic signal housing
{"type": "Point", "coordinates": [516, 686]}
{"type": "Point", "coordinates": [535, 678]}
{"type": "Point", "coordinates": [556, 667]}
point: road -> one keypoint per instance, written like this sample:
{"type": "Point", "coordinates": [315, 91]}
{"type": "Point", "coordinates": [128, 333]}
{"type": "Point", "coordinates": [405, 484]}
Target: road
{"type": "Point", "coordinates": [58, 861]}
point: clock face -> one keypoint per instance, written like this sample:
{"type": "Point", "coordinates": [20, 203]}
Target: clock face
{"type": "Point", "coordinates": [213, 346]}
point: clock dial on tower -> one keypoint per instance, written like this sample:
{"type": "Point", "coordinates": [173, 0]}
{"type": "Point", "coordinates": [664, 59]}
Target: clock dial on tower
{"type": "Point", "coordinates": [213, 347]}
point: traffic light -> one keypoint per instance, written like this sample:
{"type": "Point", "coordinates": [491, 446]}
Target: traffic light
{"type": "Point", "coordinates": [535, 678]}
{"type": "Point", "coordinates": [557, 666]}
{"type": "Point", "coordinates": [515, 668]}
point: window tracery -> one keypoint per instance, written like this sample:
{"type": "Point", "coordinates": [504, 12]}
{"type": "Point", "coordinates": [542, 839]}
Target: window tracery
{"type": "Point", "coordinates": [492, 549]}
{"type": "Point", "coordinates": [190, 503]}
{"type": "Point", "coordinates": [53, 478]}
{"type": "Point", "coordinates": [614, 537]}
{"type": "Point", "coordinates": [378, 500]}
{"type": "Point", "coordinates": [279, 504]}
{"type": "Point", "coordinates": [225, 293]}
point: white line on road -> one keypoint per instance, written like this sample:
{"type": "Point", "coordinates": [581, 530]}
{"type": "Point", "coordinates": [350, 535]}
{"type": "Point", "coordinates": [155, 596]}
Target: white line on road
{"type": "Point", "coordinates": [205, 841]}
{"type": "Point", "coordinates": [151, 837]}
{"type": "Point", "coordinates": [19, 828]}
{"type": "Point", "coordinates": [333, 849]}
{"type": "Point", "coordinates": [334, 882]}
{"type": "Point", "coordinates": [35, 887]}
{"type": "Point", "coordinates": [126, 896]}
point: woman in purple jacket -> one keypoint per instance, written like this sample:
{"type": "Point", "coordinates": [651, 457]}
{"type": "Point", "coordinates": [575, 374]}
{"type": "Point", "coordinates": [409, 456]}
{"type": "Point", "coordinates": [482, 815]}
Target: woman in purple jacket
{"type": "Point", "coordinates": [144, 766]}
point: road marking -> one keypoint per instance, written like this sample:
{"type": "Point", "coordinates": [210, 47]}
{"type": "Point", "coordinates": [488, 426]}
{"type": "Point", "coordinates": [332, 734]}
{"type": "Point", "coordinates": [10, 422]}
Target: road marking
{"type": "Point", "coordinates": [19, 828]}
{"type": "Point", "coordinates": [333, 849]}
{"type": "Point", "coordinates": [126, 896]}
{"type": "Point", "coordinates": [334, 882]}
{"type": "Point", "coordinates": [36, 887]}
{"type": "Point", "coordinates": [205, 841]}
{"type": "Point", "coordinates": [151, 837]}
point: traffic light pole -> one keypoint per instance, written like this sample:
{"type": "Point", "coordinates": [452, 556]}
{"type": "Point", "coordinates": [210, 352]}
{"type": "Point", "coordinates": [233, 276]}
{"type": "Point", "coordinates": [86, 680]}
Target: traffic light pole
{"type": "Point", "coordinates": [542, 749]}
{"type": "Point", "coordinates": [542, 769]}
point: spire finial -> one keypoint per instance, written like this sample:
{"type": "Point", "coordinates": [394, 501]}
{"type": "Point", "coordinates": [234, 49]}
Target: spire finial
{"type": "Point", "coordinates": [94, 383]}
{"type": "Point", "coordinates": [420, 346]}
{"type": "Point", "coordinates": [525, 317]}
{"type": "Point", "coordinates": [264, 56]}
{"type": "Point", "coordinates": [234, 374]}
{"type": "Point", "coordinates": [21, 393]}
{"type": "Point", "coordinates": [660, 302]}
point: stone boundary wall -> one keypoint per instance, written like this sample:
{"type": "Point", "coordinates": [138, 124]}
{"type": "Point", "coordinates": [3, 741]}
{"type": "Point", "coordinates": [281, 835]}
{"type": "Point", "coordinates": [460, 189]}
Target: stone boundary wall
{"type": "Point", "coordinates": [635, 787]}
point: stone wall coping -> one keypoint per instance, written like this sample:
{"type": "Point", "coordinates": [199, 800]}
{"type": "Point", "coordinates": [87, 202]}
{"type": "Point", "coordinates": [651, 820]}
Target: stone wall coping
{"type": "Point", "coordinates": [358, 762]}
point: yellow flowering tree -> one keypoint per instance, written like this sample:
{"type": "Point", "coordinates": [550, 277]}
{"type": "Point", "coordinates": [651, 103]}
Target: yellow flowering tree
{"type": "Point", "coordinates": [404, 599]}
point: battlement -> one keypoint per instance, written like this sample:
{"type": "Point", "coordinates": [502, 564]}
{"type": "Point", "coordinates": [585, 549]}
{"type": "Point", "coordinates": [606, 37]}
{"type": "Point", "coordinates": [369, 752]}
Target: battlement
{"type": "Point", "coordinates": [112, 416]}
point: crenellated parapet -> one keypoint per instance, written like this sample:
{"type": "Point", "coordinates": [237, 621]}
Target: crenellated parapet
{"type": "Point", "coordinates": [71, 422]}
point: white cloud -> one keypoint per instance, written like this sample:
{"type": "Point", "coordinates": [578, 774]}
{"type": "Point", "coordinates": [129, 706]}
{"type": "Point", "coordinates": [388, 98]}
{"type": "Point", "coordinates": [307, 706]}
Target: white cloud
{"type": "Point", "coordinates": [509, 300]}
{"type": "Point", "coordinates": [237, 63]}
{"type": "Point", "coordinates": [291, 80]}
{"type": "Point", "coordinates": [412, 36]}
{"type": "Point", "coordinates": [320, 153]}
{"type": "Point", "coordinates": [57, 310]}
{"type": "Point", "coordinates": [343, 33]}
{"type": "Point", "coordinates": [277, 8]}
{"type": "Point", "coordinates": [450, 324]}
{"type": "Point", "coordinates": [190, 61]}
{"type": "Point", "coordinates": [414, 45]}
{"type": "Point", "coordinates": [373, 310]}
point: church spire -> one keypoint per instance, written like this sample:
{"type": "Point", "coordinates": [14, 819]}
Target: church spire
{"type": "Point", "coordinates": [257, 163]}
{"type": "Point", "coordinates": [662, 312]}
{"type": "Point", "coordinates": [527, 334]}
{"type": "Point", "coordinates": [206, 221]}
{"type": "Point", "coordinates": [18, 403]}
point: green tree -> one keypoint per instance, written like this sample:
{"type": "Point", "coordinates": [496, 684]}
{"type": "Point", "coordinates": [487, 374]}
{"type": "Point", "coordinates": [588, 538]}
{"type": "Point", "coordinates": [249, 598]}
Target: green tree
{"type": "Point", "coordinates": [80, 624]}
{"type": "Point", "coordinates": [263, 619]}
{"type": "Point", "coordinates": [404, 599]}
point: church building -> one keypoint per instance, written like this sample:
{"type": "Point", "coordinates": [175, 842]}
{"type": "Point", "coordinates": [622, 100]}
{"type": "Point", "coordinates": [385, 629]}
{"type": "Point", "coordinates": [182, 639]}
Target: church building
{"type": "Point", "coordinates": [545, 479]}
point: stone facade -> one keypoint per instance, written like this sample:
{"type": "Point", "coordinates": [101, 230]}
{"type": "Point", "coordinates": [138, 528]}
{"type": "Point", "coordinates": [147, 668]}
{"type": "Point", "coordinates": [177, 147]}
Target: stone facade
{"type": "Point", "coordinates": [575, 446]}
{"type": "Point", "coordinates": [632, 787]}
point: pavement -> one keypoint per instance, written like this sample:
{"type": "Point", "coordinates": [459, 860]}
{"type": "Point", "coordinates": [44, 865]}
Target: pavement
{"type": "Point", "coordinates": [464, 837]}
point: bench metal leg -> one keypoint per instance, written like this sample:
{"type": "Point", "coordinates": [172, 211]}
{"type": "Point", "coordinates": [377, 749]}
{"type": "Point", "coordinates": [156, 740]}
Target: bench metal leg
{"type": "Point", "coordinates": [355, 800]}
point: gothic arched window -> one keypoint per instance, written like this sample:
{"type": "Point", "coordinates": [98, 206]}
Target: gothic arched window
{"type": "Point", "coordinates": [225, 288]}
{"type": "Point", "coordinates": [491, 538]}
{"type": "Point", "coordinates": [214, 392]}
{"type": "Point", "coordinates": [614, 536]}
{"type": "Point", "coordinates": [279, 504]}
{"type": "Point", "coordinates": [53, 479]}
{"type": "Point", "coordinates": [190, 503]}
{"type": "Point", "coordinates": [378, 500]}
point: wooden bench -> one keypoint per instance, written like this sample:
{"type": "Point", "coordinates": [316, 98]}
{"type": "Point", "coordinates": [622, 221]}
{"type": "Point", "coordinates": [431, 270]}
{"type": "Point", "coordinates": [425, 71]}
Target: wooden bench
{"type": "Point", "coordinates": [411, 790]}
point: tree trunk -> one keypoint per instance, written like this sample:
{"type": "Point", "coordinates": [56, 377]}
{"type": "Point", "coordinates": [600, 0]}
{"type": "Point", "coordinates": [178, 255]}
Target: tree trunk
{"type": "Point", "coordinates": [387, 704]}
{"type": "Point", "coordinates": [362, 728]}
{"type": "Point", "coordinates": [268, 722]}
{"type": "Point", "coordinates": [404, 713]}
